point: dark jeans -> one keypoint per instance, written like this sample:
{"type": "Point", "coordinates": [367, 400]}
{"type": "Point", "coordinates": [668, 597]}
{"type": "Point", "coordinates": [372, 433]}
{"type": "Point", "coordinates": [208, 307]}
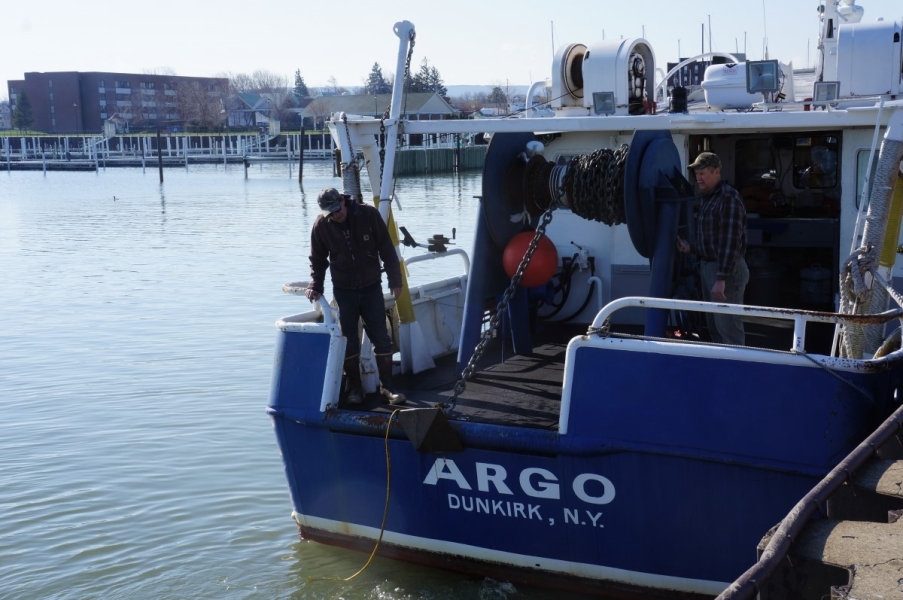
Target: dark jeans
{"type": "Point", "coordinates": [367, 304]}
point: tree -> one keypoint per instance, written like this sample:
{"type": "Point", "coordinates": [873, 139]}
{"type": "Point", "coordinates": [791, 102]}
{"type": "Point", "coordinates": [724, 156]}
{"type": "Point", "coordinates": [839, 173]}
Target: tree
{"type": "Point", "coordinates": [199, 106]}
{"type": "Point", "coordinates": [320, 110]}
{"type": "Point", "coordinates": [23, 115]}
{"type": "Point", "coordinates": [427, 79]}
{"type": "Point", "coordinates": [300, 89]}
{"type": "Point", "coordinates": [278, 98]}
{"type": "Point", "coordinates": [376, 83]}
{"type": "Point", "coordinates": [497, 97]}
{"type": "Point", "coordinates": [332, 88]}
{"type": "Point", "coordinates": [164, 70]}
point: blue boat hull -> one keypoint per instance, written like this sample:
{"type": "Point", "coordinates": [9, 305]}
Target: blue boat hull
{"type": "Point", "coordinates": [650, 483]}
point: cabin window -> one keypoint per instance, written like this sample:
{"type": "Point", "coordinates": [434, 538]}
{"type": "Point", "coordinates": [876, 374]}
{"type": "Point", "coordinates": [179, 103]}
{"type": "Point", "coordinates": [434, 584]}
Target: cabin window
{"type": "Point", "coordinates": [815, 162]}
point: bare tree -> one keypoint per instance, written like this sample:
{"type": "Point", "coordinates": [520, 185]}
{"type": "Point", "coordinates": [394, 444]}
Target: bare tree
{"type": "Point", "coordinates": [163, 70]}
{"type": "Point", "coordinates": [319, 108]}
{"type": "Point", "coordinates": [333, 88]}
{"type": "Point", "coordinates": [200, 106]}
{"type": "Point", "coordinates": [267, 81]}
{"type": "Point", "coordinates": [238, 82]}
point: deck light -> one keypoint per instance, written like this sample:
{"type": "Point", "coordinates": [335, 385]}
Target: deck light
{"type": "Point", "coordinates": [762, 76]}
{"type": "Point", "coordinates": [826, 91]}
{"type": "Point", "coordinates": [604, 103]}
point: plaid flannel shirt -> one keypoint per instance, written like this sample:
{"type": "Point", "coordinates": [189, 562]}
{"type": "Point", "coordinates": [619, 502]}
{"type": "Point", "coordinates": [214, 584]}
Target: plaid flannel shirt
{"type": "Point", "coordinates": [721, 229]}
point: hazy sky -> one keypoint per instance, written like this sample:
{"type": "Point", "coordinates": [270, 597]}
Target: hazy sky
{"type": "Point", "coordinates": [469, 41]}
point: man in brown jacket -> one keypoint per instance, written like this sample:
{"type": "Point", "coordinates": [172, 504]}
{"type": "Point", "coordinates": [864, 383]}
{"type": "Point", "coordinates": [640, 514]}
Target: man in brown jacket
{"type": "Point", "coordinates": [350, 239]}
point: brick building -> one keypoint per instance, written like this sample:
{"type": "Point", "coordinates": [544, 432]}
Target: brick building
{"type": "Point", "coordinates": [76, 102]}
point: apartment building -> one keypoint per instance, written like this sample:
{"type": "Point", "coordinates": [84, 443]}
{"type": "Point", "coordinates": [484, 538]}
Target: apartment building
{"type": "Point", "coordinates": [80, 102]}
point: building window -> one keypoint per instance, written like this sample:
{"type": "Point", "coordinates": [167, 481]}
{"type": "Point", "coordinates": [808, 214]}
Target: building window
{"type": "Point", "coordinates": [50, 83]}
{"type": "Point", "coordinates": [103, 103]}
{"type": "Point", "coordinates": [100, 83]}
{"type": "Point", "coordinates": [123, 84]}
{"type": "Point", "coordinates": [103, 115]}
{"type": "Point", "coordinates": [147, 85]}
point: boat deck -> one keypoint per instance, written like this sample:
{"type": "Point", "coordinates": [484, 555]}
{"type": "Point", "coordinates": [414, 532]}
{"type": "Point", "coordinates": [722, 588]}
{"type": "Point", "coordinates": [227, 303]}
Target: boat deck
{"type": "Point", "coordinates": [524, 390]}
{"type": "Point", "coordinates": [519, 390]}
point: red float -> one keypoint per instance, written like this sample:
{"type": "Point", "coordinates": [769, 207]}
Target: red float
{"type": "Point", "coordinates": [543, 264]}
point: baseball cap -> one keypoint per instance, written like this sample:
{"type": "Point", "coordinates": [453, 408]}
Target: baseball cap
{"type": "Point", "coordinates": [706, 159]}
{"type": "Point", "coordinates": [330, 200]}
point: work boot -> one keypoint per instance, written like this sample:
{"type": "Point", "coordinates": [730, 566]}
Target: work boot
{"type": "Point", "coordinates": [384, 365]}
{"type": "Point", "coordinates": [353, 377]}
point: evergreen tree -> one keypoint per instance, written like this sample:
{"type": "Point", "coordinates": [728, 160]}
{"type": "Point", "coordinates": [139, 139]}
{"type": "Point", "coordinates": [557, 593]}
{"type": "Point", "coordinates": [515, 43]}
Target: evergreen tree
{"type": "Point", "coordinates": [376, 82]}
{"type": "Point", "coordinates": [435, 83]}
{"type": "Point", "coordinates": [300, 90]}
{"type": "Point", "coordinates": [23, 115]}
{"type": "Point", "coordinates": [427, 79]}
{"type": "Point", "coordinates": [497, 97]}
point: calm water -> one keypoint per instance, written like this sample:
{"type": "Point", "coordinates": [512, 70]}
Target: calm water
{"type": "Point", "coordinates": [136, 342]}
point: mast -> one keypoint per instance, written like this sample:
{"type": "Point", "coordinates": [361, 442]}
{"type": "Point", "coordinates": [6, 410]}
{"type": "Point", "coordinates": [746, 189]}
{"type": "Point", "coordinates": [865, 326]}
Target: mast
{"type": "Point", "coordinates": [404, 30]}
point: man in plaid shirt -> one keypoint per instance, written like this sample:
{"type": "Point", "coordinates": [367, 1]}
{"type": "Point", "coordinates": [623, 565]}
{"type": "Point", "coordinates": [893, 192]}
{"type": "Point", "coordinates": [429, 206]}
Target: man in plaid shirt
{"type": "Point", "coordinates": [721, 245]}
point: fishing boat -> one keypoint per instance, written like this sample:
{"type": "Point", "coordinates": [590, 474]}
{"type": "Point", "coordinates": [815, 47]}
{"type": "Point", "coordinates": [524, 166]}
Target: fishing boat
{"type": "Point", "coordinates": [569, 422]}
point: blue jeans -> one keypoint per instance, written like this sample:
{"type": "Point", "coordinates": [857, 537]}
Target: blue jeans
{"type": "Point", "coordinates": [367, 304]}
{"type": "Point", "coordinates": [725, 329]}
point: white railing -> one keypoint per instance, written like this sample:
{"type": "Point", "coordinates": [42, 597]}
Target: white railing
{"type": "Point", "coordinates": [799, 318]}
{"type": "Point", "coordinates": [435, 255]}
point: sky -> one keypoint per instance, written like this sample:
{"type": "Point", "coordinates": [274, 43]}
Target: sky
{"type": "Point", "coordinates": [470, 42]}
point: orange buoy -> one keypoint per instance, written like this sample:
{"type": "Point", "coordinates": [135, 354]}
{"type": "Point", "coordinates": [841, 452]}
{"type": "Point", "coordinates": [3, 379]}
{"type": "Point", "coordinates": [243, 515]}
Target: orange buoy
{"type": "Point", "coordinates": [543, 264]}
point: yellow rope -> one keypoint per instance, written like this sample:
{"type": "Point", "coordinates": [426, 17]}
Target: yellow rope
{"type": "Point", "coordinates": [382, 527]}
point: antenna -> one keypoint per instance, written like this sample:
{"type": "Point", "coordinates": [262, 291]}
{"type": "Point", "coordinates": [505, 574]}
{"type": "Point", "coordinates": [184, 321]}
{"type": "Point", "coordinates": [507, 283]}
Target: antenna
{"type": "Point", "coordinates": [552, 24]}
{"type": "Point", "coordinates": [765, 29]}
{"type": "Point", "coordinates": [710, 33]}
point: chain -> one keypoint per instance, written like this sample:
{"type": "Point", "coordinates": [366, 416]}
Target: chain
{"type": "Point", "coordinates": [348, 133]}
{"type": "Point", "coordinates": [382, 150]}
{"type": "Point", "coordinates": [407, 69]}
{"type": "Point", "coordinates": [468, 371]}
{"type": "Point", "coordinates": [595, 185]}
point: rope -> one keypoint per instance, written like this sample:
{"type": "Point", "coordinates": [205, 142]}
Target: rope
{"type": "Point", "coordinates": [382, 527]}
{"type": "Point", "coordinates": [855, 294]}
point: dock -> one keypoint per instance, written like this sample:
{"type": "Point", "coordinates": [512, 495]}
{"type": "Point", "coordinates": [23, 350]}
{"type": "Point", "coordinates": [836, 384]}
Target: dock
{"type": "Point", "coordinates": [91, 153]}
{"type": "Point", "coordinates": [844, 540]}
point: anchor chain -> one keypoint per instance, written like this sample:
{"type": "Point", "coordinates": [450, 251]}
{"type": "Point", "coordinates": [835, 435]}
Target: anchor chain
{"type": "Point", "coordinates": [469, 370]}
{"type": "Point", "coordinates": [595, 185]}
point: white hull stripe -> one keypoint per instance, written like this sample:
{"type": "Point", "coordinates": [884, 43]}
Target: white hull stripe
{"type": "Point", "coordinates": [518, 560]}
